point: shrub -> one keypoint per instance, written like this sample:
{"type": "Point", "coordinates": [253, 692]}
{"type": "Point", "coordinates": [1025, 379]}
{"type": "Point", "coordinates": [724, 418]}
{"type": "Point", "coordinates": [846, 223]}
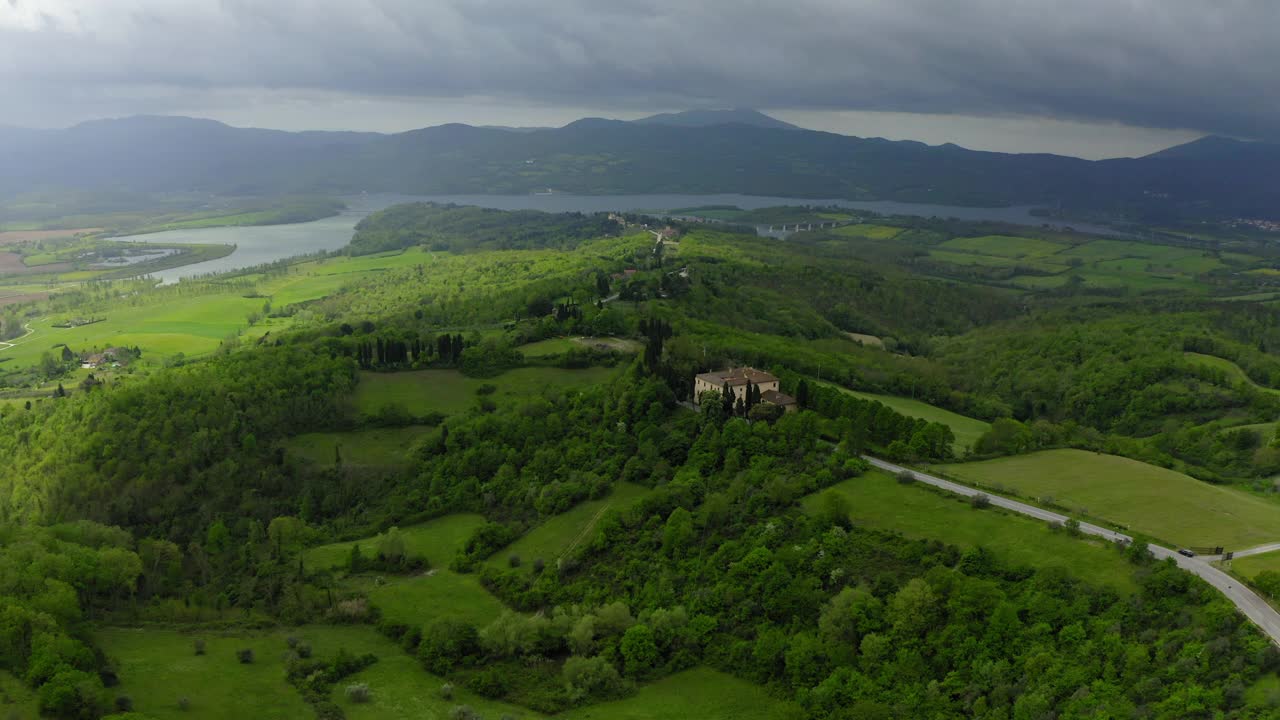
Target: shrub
{"type": "Point", "coordinates": [303, 649]}
{"type": "Point", "coordinates": [463, 712]}
{"type": "Point", "coordinates": [539, 564]}
{"type": "Point", "coordinates": [906, 477]}
{"type": "Point", "coordinates": [124, 703]}
{"type": "Point", "coordinates": [446, 691]}
{"type": "Point", "coordinates": [199, 646]}
{"type": "Point", "coordinates": [410, 639]}
{"type": "Point", "coordinates": [184, 703]}
{"type": "Point", "coordinates": [326, 710]}
{"type": "Point", "coordinates": [245, 656]}
{"type": "Point", "coordinates": [291, 641]}
{"type": "Point", "coordinates": [514, 561]}
{"type": "Point", "coordinates": [585, 677]}
{"type": "Point", "coordinates": [980, 501]}
{"type": "Point", "coordinates": [358, 693]}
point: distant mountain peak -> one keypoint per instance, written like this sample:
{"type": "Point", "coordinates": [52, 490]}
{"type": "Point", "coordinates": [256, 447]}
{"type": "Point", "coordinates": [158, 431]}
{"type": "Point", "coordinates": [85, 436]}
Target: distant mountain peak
{"type": "Point", "coordinates": [708, 118]}
{"type": "Point", "coordinates": [1209, 146]}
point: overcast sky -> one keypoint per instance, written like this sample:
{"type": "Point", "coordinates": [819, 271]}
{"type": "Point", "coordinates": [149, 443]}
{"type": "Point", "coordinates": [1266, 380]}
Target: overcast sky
{"type": "Point", "coordinates": [1093, 78]}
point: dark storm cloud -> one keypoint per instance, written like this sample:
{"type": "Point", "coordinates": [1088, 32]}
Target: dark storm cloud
{"type": "Point", "coordinates": [1162, 63]}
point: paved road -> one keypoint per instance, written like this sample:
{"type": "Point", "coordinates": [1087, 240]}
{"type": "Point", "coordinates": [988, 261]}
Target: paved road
{"type": "Point", "coordinates": [1248, 602]}
{"type": "Point", "coordinates": [1270, 547]}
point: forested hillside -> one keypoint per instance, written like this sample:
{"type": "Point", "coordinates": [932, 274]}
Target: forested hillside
{"type": "Point", "coordinates": [456, 469]}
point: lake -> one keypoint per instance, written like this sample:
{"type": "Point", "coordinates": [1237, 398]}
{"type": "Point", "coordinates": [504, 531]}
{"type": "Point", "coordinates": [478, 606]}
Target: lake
{"type": "Point", "coordinates": [268, 243]}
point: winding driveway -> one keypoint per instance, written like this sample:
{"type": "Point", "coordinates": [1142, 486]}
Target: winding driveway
{"type": "Point", "coordinates": [1248, 602]}
{"type": "Point", "coordinates": [7, 345]}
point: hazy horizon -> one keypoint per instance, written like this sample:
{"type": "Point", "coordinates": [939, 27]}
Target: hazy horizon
{"type": "Point", "coordinates": [1096, 78]}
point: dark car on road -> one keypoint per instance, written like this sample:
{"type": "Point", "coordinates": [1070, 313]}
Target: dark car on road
{"type": "Point", "coordinates": [1186, 552]}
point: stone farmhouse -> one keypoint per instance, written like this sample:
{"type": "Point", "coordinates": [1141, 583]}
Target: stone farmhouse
{"type": "Point", "coordinates": [737, 380]}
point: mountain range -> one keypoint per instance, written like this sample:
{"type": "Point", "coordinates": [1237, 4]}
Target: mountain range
{"type": "Point", "coordinates": [733, 151]}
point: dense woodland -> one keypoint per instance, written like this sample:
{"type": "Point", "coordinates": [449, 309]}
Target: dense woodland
{"type": "Point", "coordinates": [167, 495]}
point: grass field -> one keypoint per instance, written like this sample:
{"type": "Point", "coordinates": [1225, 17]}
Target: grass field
{"type": "Point", "coordinates": [450, 392]}
{"type": "Point", "coordinates": [1251, 565]}
{"type": "Point", "coordinates": [868, 340]}
{"type": "Point", "coordinates": [381, 446]}
{"type": "Point", "coordinates": [437, 540]}
{"type": "Point", "coordinates": [402, 690]}
{"type": "Point", "coordinates": [558, 346]}
{"type": "Point", "coordinates": [1104, 263]}
{"type": "Point", "coordinates": [699, 693]}
{"type": "Point", "coordinates": [877, 500]}
{"type": "Point", "coordinates": [422, 599]}
{"type": "Point", "coordinates": [1004, 246]}
{"type": "Point", "coordinates": [558, 534]}
{"type": "Point", "coordinates": [874, 232]}
{"type": "Point", "coordinates": [1147, 499]}
{"type": "Point", "coordinates": [190, 325]}
{"type": "Point", "coordinates": [1232, 370]}
{"type": "Point", "coordinates": [157, 667]}
{"type": "Point", "coordinates": [967, 430]}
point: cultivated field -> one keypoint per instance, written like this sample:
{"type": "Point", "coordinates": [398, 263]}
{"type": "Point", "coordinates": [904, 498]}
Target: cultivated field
{"type": "Point", "coordinates": [874, 232]}
{"type": "Point", "coordinates": [1144, 498]}
{"type": "Point", "coordinates": [1105, 263]}
{"type": "Point", "coordinates": [558, 535]}
{"type": "Point", "coordinates": [15, 237]}
{"type": "Point", "coordinates": [867, 340]}
{"type": "Point", "coordinates": [437, 540]}
{"type": "Point", "coordinates": [451, 392]}
{"type": "Point", "coordinates": [877, 500]}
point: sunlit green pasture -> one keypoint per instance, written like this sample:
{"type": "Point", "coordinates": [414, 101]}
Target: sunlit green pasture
{"type": "Point", "coordinates": [878, 500]}
{"type": "Point", "coordinates": [1004, 246]}
{"type": "Point", "coordinates": [1147, 499]}
{"type": "Point", "coordinates": [874, 232]}
{"type": "Point", "coordinates": [966, 429]}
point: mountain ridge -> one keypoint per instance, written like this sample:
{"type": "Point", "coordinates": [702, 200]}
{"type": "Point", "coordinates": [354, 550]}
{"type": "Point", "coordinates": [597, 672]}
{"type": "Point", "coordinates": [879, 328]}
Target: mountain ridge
{"type": "Point", "coordinates": [1205, 178]}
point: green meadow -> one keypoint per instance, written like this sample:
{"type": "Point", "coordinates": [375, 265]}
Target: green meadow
{"type": "Point", "coordinates": [1250, 565]}
{"type": "Point", "coordinates": [1144, 498]}
{"type": "Point", "coordinates": [158, 667]}
{"type": "Point", "coordinates": [1232, 370]}
{"type": "Point", "coordinates": [873, 232]}
{"type": "Point", "coordinates": [966, 429]}
{"type": "Point", "coordinates": [437, 540]}
{"type": "Point", "coordinates": [437, 594]}
{"type": "Point", "coordinates": [378, 447]}
{"type": "Point", "coordinates": [878, 500]}
{"type": "Point", "coordinates": [559, 534]}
